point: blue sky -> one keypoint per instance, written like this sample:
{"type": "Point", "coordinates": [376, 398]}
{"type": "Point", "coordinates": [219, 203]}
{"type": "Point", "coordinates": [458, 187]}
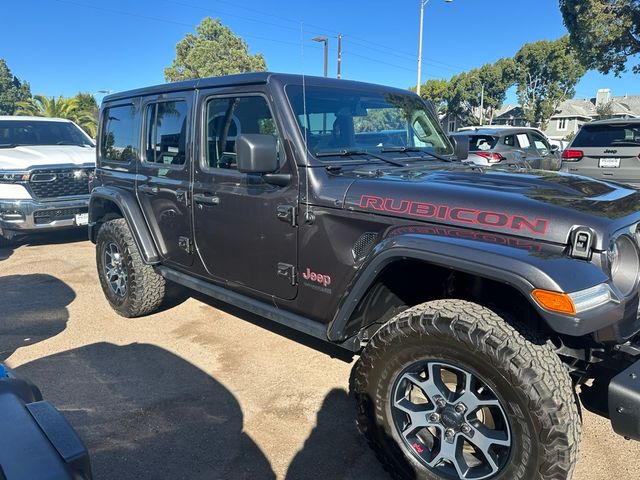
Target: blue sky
{"type": "Point", "coordinates": [66, 46]}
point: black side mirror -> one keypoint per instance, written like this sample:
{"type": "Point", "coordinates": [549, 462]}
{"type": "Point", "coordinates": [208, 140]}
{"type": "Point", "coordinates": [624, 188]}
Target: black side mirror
{"type": "Point", "coordinates": [554, 147]}
{"type": "Point", "coordinates": [257, 153]}
{"type": "Point", "coordinates": [460, 146]}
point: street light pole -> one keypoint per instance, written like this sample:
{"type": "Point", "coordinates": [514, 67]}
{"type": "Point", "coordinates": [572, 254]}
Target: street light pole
{"type": "Point", "coordinates": [324, 40]}
{"type": "Point", "coordinates": [423, 3]}
{"type": "Point", "coordinates": [339, 55]}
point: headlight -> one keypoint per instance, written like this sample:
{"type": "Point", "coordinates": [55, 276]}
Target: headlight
{"type": "Point", "coordinates": [14, 177]}
{"type": "Point", "coordinates": [624, 264]}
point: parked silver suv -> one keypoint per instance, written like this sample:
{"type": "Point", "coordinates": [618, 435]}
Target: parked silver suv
{"type": "Point", "coordinates": [606, 150]}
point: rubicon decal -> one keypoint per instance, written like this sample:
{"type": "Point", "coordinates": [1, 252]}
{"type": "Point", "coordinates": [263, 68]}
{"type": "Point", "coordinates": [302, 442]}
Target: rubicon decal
{"type": "Point", "coordinates": [460, 215]}
{"type": "Point", "coordinates": [317, 277]}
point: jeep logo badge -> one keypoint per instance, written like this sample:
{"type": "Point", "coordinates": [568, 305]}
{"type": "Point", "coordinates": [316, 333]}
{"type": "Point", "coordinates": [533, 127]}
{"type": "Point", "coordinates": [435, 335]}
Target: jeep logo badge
{"type": "Point", "coordinates": [610, 150]}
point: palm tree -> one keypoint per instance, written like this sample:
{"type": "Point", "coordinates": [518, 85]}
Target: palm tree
{"type": "Point", "coordinates": [61, 107]}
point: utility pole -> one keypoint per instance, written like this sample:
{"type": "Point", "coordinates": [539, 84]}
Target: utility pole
{"type": "Point", "coordinates": [339, 54]}
{"type": "Point", "coordinates": [324, 40]}
{"type": "Point", "coordinates": [422, 5]}
{"type": "Point", "coordinates": [482, 105]}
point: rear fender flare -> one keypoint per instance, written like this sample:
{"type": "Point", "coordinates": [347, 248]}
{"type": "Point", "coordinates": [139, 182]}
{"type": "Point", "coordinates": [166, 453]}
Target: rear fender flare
{"type": "Point", "coordinates": [128, 205]}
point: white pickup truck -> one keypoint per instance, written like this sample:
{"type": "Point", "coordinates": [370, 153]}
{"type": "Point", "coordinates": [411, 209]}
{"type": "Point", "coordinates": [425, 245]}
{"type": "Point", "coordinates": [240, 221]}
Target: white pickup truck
{"type": "Point", "coordinates": [45, 168]}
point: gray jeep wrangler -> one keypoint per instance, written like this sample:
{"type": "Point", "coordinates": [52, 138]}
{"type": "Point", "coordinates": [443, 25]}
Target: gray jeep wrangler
{"type": "Point", "coordinates": [485, 305]}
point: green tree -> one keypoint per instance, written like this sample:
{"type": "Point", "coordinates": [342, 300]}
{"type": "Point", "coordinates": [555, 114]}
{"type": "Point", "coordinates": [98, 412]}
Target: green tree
{"type": "Point", "coordinates": [61, 107]}
{"type": "Point", "coordinates": [12, 90]}
{"type": "Point", "coordinates": [605, 33]}
{"type": "Point", "coordinates": [214, 50]}
{"type": "Point", "coordinates": [436, 92]}
{"type": "Point", "coordinates": [546, 74]}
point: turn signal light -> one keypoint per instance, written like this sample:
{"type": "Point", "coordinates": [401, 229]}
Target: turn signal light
{"type": "Point", "coordinates": [554, 301]}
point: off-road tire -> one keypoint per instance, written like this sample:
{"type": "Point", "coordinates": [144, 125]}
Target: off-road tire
{"type": "Point", "coordinates": [146, 288]}
{"type": "Point", "coordinates": [520, 368]}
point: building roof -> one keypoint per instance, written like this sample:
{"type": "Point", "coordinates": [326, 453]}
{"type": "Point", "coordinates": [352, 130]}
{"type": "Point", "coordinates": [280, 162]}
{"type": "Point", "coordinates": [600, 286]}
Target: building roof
{"type": "Point", "coordinates": [586, 107]}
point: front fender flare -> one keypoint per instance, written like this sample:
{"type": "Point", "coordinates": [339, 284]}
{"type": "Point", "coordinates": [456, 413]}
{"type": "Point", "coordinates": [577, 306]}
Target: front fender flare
{"type": "Point", "coordinates": [128, 205]}
{"type": "Point", "coordinates": [525, 267]}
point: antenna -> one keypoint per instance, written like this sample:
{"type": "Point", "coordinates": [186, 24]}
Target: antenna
{"type": "Point", "coordinates": [307, 213]}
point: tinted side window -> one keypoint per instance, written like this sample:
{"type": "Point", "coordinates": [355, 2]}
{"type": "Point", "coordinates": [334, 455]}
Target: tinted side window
{"type": "Point", "coordinates": [226, 118]}
{"type": "Point", "coordinates": [119, 142]}
{"type": "Point", "coordinates": [166, 133]}
{"type": "Point", "coordinates": [539, 142]}
{"type": "Point", "coordinates": [510, 141]}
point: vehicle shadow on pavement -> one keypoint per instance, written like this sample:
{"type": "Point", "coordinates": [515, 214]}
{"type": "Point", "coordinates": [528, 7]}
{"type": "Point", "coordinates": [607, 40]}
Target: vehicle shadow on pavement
{"type": "Point", "coordinates": [332, 350]}
{"type": "Point", "coordinates": [145, 413]}
{"type": "Point", "coordinates": [335, 449]}
{"type": "Point", "coordinates": [49, 238]}
{"type": "Point", "coordinates": [32, 309]}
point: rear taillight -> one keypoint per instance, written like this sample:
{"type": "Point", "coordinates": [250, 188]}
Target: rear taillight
{"type": "Point", "coordinates": [491, 156]}
{"type": "Point", "coordinates": [572, 155]}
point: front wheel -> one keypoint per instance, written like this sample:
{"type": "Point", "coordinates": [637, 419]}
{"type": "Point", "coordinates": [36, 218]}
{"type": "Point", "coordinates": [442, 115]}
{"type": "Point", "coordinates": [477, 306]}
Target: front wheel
{"type": "Point", "coordinates": [132, 288]}
{"type": "Point", "coordinates": [450, 390]}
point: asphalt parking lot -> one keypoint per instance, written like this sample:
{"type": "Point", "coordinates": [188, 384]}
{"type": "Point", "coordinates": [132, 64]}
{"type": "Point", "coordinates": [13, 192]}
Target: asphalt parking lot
{"type": "Point", "coordinates": [200, 390]}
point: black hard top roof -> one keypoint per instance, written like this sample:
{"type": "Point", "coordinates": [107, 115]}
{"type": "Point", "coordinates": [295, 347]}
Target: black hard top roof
{"type": "Point", "coordinates": [254, 78]}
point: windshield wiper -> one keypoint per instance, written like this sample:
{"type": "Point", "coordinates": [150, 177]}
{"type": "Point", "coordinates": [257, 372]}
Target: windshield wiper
{"type": "Point", "coordinates": [415, 149]}
{"type": "Point", "coordinates": [348, 153]}
{"type": "Point", "coordinates": [8, 145]}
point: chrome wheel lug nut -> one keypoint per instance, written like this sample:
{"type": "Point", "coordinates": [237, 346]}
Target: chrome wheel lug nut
{"type": "Point", "coordinates": [441, 402]}
{"type": "Point", "coordinates": [466, 429]}
{"type": "Point", "coordinates": [461, 408]}
{"type": "Point", "coordinates": [449, 433]}
{"type": "Point", "coordinates": [434, 418]}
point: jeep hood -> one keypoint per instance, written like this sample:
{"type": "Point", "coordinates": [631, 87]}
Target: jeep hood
{"type": "Point", "coordinates": [28, 156]}
{"type": "Point", "coordinates": [540, 205]}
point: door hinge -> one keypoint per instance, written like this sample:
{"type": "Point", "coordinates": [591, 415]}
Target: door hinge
{"type": "Point", "coordinates": [288, 271]}
{"type": "Point", "coordinates": [182, 196]}
{"type": "Point", "coordinates": [287, 213]}
{"type": "Point", "coordinates": [185, 244]}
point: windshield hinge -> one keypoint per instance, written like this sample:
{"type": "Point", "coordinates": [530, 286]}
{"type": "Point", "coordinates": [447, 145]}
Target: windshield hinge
{"type": "Point", "coordinates": [287, 213]}
{"type": "Point", "coordinates": [288, 271]}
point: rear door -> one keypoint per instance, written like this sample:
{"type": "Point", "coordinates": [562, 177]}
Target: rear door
{"type": "Point", "coordinates": [245, 228]}
{"type": "Point", "coordinates": [526, 151]}
{"type": "Point", "coordinates": [549, 159]}
{"type": "Point", "coordinates": [610, 151]}
{"type": "Point", "coordinates": [164, 174]}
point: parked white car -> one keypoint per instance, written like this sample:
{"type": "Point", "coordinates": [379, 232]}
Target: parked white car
{"type": "Point", "coordinates": [45, 168]}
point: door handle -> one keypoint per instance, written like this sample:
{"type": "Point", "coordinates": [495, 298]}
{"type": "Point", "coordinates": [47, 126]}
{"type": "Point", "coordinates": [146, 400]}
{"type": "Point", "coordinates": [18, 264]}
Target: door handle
{"type": "Point", "coordinates": [206, 199]}
{"type": "Point", "coordinates": [148, 189]}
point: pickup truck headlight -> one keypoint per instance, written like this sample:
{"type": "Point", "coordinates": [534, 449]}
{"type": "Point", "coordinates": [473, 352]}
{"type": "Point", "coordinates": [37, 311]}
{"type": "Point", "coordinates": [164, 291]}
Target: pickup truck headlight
{"type": "Point", "coordinates": [624, 264]}
{"type": "Point", "coordinates": [14, 177]}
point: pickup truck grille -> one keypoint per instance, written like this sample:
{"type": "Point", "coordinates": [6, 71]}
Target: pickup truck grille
{"type": "Point", "coordinates": [62, 182]}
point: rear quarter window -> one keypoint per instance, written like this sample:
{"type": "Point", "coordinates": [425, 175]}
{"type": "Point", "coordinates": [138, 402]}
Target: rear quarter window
{"type": "Point", "coordinates": [608, 136]}
{"type": "Point", "coordinates": [482, 142]}
{"type": "Point", "coordinates": [119, 139]}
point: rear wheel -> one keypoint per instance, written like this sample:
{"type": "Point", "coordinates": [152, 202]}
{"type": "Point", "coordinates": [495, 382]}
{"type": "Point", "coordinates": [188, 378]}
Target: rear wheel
{"type": "Point", "coordinates": [449, 390]}
{"type": "Point", "coordinates": [132, 288]}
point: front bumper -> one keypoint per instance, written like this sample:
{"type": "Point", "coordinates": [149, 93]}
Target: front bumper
{"type": "Point", "coordinates": [624, 402]}
{"type": "Point", "coordinates": [33, 215]}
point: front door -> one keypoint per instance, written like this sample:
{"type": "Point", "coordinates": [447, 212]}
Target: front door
{"type": "Point", "coordinates": [549, 159]}
{"type": "Point", "coordinates": [164, 174]}
{"type": "Point", "coordinates": [245, 228]}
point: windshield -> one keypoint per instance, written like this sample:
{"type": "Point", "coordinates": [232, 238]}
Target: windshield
{"type": "Point", "coordinates": [608, 135]}
{"type": "Point", "coordinates": [41, 132]}
{"type": "Point", "coordinates": [334, 119]}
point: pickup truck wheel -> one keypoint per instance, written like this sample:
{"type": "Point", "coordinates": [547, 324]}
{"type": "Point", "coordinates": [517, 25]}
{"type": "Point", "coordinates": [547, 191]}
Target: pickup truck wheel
{"type": "Point", "coordinates": [449, 389]}
{"type": "Point", "coordinates": [132, 288]}
{"type": "Point", "coordinates": [7, 238]}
